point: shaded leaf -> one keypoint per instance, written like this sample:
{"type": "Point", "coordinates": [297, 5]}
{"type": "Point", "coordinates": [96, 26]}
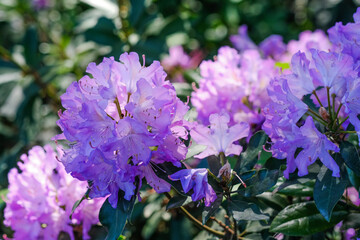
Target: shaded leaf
{"type": "Point", "coordinates": [249, 158]}
{"type": "Point", "coordinates": [351, 156]}
{"type": "Point", "coordinates": [178, 201]}
{"type": "Point", "coordinates": [242, 210]}
{"type": "Point", "coordinates": [209, 211]}
{"type": "Point", "coordinates": [327, 191]}
{"type": "Point", "coordinates": [304, 219]}
{"type": "Point", "coordinates": [260, 182]}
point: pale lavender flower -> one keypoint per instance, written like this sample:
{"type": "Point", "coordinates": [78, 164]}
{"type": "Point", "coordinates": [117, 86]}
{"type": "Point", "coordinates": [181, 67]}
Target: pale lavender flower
{"type": "Point", "coordinates": [197, 181]}
{"type": "Point", "coordinates": [242, 41]}
{"type": "Point", "coordinates": [219, 138]}
{"type": "Point", "coordinates": [307, 40]}
{"type": "Point", "coordinates": [233, 84]}
{"type": "Point", "coordinates": [41, 197]}
{"type": "Point", "coordinates": [273, 46]}
{"type": "Point", "coordinates": [347, 38]}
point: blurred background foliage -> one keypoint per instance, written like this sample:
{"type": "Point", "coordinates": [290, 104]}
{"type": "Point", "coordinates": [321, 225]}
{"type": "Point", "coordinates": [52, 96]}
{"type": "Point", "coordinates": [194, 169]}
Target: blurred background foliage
{"type": "Point", "coordinates": [47, 44]}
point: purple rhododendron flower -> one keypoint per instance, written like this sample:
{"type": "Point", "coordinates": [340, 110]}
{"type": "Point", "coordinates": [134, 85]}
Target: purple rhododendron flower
{"type": "Point", "coordinates": [332, 81]}
{"type": "Point", "coordinates": [219, 137]}
{"type": "Point", "coordinates": [242, 41]}
{"type": "Point", "coordinates": [234, 84]}
{"type": "Point", "coordinates": [196, 180]}
{"type": "Point", "coordinates": [315, 145]}
{"type": "Point", "coordinates": [41, 197]}
{"type": "Point", "coordinates": [120, 121]}
{"type": "Point", "coordinates": [347, 38]}
{"type": "Point", "coordinates": [307, 40]}
{"type": "Point", "coordinates": [273, 46]}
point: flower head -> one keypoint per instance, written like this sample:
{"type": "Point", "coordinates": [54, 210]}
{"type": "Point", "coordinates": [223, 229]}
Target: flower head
{"type": "Point", "coordinates": [196, 180]}
{"type": "Point", "coordinates": [41, 197]}
{"type": "Point", "coordinates": [219, 137]}
{"type": "Point", "coordinates": [290, 123]}
{"type": "Point", "coordinates": [120, 121]}
{"type": "Point", "coordinates": [234, 84]}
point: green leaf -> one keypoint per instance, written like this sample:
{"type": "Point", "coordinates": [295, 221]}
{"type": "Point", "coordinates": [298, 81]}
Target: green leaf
{"type": "Point", "coordinates": [351, 156]}
{"type": "Point", "coordinates": [302, 190]}
{"type": "Point", "coordinates": [327, 191]}
{"type": "Point", "coordinates": [3, 193]}
{"type": "Point", "coordinates": [250, 157]}
{"type": "Point", "coordinates": [242, 210]}
{"type": "Point", "coordinates": [137, 8]}
{"type": "Point", "coordinates": [301, 219]}
{"type": "Point", "coordinates": [165, 169]}
{"type": "Point", "coordinates": [31, 42]}
{"type": "Point", "coordinates": [115, 219]}
{"type": "Point", "coordinates": [209, 211]}
{"type": "Point", "coordinates": [78, 202]}
{"type": "Point", "coordinates": [259, 182]}
{"type": "Point", "coordinates": [151, 224]}
{"type": "Point", "coordinates": [178, 201]}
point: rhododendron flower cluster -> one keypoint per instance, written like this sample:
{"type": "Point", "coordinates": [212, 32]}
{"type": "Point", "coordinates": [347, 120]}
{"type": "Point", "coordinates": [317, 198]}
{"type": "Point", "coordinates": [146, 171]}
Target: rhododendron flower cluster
{"type": "Point", "coordinates": [41, 197]}
{"type": "Point", "coordinates": [333, 84]}
{"type": "Point", "coordinates": [120, 122]}
{"type": "Point", "coordinates": [274, 47]}
{"type": "Point", "coordinates": [234, 83]}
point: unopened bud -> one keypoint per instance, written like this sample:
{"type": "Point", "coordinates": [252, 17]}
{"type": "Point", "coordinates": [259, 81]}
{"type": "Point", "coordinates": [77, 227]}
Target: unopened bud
{"type": "Point", "coordinates": [324, 114]}
{"type": "Point", "coordinates": [225, 171]}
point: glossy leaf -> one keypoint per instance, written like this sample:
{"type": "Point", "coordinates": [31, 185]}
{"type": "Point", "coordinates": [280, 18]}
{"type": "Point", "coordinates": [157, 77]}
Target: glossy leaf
{"type": "Point", "coordinates": [115, 219]}
{"type": "Point", "coordinates": [260, 182]}
{"type": "Point", "coordinates": [209, 211]}
{"type": "Point", "coordinates": [351, 156]}
{"type": "Point", "coordinates": [327, 191]}
{"type": "Point", "coordinates": [178, 201]}
{"type": "Point", "coordinates": [242, 210]}
{"type": "Point", "coordinates": [249, 158]}
{"type": "Point", "coordinates": [304, 219]}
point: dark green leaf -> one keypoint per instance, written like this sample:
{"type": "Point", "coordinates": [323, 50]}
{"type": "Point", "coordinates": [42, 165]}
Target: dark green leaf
{"type": "Point", "coordinates": [137, 8]}
{"type": "Point", "coordinates": [301, 190]}
{"type": "Point", "coordinates": [78, 202]}
{"type": "Point", "coordinates": [214, 164]}
{"type": "Point", "coordinates": [178, 201]}
{"type": "Point", "coordinates": [242, 210]}
{"type": "Point", "coordinates": [260, 182]}
{"type": "Point", "coordinates": [115, 219]}
{"type": "Point", "coordinates": [304, 219]}
{"type": "Point", "coordinates": [327, 191]}
{"type": "Point", "coordinates": [31, 43]}
{"type": "Point", "coordinates": [351, 156]}
{"type": "Point", "coordinates": [151, 224]}
{"type": "Point", "coordinates": [353, 178]}
{"type": "Point", "coordinates": [249, 158]}
{"type": "Point", "coordinates": [209, 211]}
{"type": "Point", "coordinates": [165, 169]}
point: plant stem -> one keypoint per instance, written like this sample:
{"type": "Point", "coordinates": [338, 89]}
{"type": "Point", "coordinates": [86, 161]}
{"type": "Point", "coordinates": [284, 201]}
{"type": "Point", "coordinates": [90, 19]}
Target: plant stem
{"type": "Point", "coordinates": [342, 122]}
{"type": "Point", "coordinates": [329, 103]}
{"type": "Point", "coordinates": [198, 223]}
{"type": "Point", "coordinates": [337, 114]}
{"type": "Point", "coordinates": [222, 158]}
{"type": "Point", "coordinates": [317, 97]}
{"type": "Point", "coordinates": [347, 131]}
{"type": "Point", "coordinates": [317, 117]}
